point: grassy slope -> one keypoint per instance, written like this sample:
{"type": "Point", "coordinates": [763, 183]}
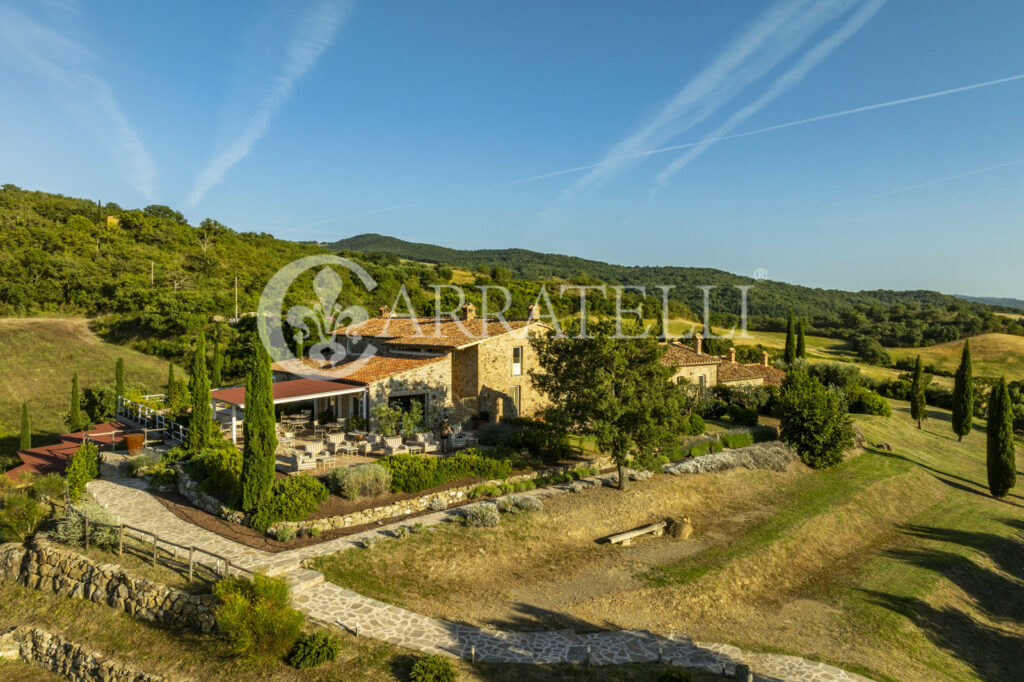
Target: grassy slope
{"type": "Point", "coordinates": [897, 564]}
{"type": "Point", "coordinates": [992, 355]}
{"type": "Point", "coordinates": [40, 356]}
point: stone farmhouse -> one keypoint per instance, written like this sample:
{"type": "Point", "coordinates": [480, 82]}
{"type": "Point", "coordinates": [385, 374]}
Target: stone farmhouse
{"type": "Point", "coordinates": [707, 371]}
{"type": "Point", "coordinates": [456, 368]}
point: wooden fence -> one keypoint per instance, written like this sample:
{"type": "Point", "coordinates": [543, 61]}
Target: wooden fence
{"type": "Point", "coordinates": [152, 544]}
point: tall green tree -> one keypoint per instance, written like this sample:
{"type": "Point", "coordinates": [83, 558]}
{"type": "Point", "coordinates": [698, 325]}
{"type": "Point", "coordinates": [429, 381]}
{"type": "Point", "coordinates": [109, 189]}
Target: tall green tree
{"type": "Point", "coordinates": [171, 383]}
{"type": "Point", "coordinates": [801, 340]}
{"type": "Point", "coordinates": [963, 395]}
{"type": "Point", "coordinates": [119, 387]}
{"type": "Point", "coordinates": [1001, 460]}
{"type": "Point", "coordinates": [917, 402]}
{"type": "Point", "coordinates": [26, 429]}
{"type": "Point", "coordinates": [615, 388]}
{"type": "Point", "coordinates": [216, 365]}
{"type": "Point", "coordinates": [258, 430]}
{"type": "Point", "coordinates": [75, 422]}
{"type": "Point", "coordinates": [199, 389]}
{"type": "Point", "coordinates": [814, 420]}
{"type": "Point", "coordinates": [789, 355]}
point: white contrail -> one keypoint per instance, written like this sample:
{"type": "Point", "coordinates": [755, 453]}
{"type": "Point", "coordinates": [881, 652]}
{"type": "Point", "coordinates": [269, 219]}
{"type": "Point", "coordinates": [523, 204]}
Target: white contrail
{"type": "Point", "coordinates": [789, 124]}
{"type": "Point", "coordinates": [312, 36]}
{"type": "Point", "coordinates": [770, 40]}
{"type": "Point", "coordinates": [67, 62]}
{"type": "Point", "coordinates": [782, 84]}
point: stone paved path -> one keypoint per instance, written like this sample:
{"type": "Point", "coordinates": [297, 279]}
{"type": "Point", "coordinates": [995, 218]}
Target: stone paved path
{"type": "Point", "coordinates": [332, 605]}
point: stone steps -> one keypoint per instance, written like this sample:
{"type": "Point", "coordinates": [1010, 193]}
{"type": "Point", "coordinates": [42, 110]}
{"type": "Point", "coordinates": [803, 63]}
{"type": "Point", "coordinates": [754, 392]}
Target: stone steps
{"type": "Point", "coordinates": [303, 579]}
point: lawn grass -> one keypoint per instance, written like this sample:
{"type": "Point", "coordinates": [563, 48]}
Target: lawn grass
{"type": "Point", "coordinates": [43, 355]}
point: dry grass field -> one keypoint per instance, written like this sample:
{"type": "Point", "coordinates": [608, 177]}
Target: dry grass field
{"type": "Point", "coordinates": [992, 355]}
{"type": "Point", "coordinates": [41, 354]}
{"type": "Point", "coordinates": [898, 565]}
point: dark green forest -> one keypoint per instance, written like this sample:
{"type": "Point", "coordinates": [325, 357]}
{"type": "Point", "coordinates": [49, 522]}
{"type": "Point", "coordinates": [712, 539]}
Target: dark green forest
{"type": "Point", "coordinates": [152, 281]}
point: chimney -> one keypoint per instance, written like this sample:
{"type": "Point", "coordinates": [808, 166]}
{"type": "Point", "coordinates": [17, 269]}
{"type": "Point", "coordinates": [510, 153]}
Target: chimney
{"type": "Point", "coordinates": [469, 311]}
{"type": "Point", "coordinates": [384, 311]}
{"type": "Point", "coordinates": [732, 355]}
{"type": "Point", "coordinates": [698, 344]}
{"type": "Point", "coordinates": [533, 312]}
{"type": "Point", "coordinates": [764, 358]}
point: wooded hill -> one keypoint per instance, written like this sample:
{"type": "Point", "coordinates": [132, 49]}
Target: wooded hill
{"type": "Point", "coordinates": [897, 318]}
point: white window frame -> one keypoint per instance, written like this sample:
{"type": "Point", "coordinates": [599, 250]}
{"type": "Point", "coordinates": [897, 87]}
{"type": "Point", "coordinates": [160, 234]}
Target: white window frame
{"type": "Point", "coordinates": [516, 393]}
{"type": "Point", "coordinates": [517, 367]}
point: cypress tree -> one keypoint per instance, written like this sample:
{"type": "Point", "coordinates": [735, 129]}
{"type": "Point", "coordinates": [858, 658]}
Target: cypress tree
{"type": "Point", "coordinates": [1001, 464]}
{"type": "Point", "coordinates": [75, 415]}
{"type": "Point", "coordinates": [216, 366]}
{"type": "Point", "coordinates": [789, 355]}
{"type": "Point", "coordinates": [170, 380]}
{"type": "Point", "coordinates": [199, 388]}
{"type": "Point", "coordinates": [963, 395]}
{"type": "Point", "coordinates": [801, 342]}
{"type": "Point", "coordinates": [26, 429]}
{"type": "Point", "coordinates": [917, 402]}
{"type": "Point", "coordinates": [119, 378]}
{"type": "Point", "coordinates": [258, 430]}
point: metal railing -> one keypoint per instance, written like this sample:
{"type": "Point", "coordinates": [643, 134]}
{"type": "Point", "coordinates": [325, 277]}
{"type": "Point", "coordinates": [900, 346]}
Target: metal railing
{"type": "Point", "coordinates": [151, 419]}
{"type": "Point", "coordinates": [152, 544]}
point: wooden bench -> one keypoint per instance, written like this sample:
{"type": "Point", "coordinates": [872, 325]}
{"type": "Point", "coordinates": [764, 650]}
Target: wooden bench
{"type": "Point", "coordinates": [627, 537]}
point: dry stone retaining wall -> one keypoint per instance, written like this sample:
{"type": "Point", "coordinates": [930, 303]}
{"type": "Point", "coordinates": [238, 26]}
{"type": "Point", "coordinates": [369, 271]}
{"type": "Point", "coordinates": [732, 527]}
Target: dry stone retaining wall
{"type": "Point", "coordinates": [63, 657]}
{"type": "Point", "coordinates": [45, 566]}
{"type": "Point", "coordinates": [401, 508]}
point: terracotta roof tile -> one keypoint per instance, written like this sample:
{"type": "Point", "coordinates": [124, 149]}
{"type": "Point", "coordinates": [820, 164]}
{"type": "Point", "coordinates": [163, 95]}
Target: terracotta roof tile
{"type": "Point", "coordinates": [734, 371]}
{"type": "Point", "coordinates": [356, 370]}
{"type": "Point", "coordinates": [771, 375]}
{"type": "Point", "coordinates": [428, 332]}
{"type": "Point", "coordinates": [678, 354]}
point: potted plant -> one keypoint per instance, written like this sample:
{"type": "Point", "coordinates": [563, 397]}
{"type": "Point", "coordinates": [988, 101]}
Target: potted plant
{"type": "Point", "coordinates": [134, 442]}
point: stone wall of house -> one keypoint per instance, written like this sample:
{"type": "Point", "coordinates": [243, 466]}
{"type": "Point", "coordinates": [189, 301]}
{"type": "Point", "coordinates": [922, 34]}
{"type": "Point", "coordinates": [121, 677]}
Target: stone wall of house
{"type": "Point", "coordinates": [691, 373]}
{"type": "Point", "coordinates": [465, 382]}
{"type": "Point", "coordinates": [424, 502]}
{"type": "Point", "coordinates": [495, 378]}
{"type": "Point", "coordinates": [64, 657]}
{"type": "Point", "coordinates": [189, 489]}
{"type": "Point", "coordinates": [49, 567]}
{"type": "Point", "coordinates": [433, 380]}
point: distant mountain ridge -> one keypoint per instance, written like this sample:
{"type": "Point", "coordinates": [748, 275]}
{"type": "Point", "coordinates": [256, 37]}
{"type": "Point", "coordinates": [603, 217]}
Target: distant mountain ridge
{"type": "Point", "coordinates": [766, 298]}
{"type": "Point", "coordinates": [1014, 303]}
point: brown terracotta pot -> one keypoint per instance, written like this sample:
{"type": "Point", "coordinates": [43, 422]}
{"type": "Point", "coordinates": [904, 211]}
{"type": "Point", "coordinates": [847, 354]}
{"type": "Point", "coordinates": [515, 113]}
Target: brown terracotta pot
{"type": "Point", "coordinates": [134, 442]}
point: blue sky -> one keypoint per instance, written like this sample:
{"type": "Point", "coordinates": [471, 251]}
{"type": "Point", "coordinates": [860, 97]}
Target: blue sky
{"type": "Point", "coordinates": [427, 121]}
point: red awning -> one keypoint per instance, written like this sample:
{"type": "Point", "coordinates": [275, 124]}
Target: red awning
{"type": "Point", "coordinates": [291, 391]}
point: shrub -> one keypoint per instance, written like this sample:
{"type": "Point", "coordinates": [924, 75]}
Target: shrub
{"type": "Point", "coordinates": [71, 528]}
{"type": "Point", "coordinates": [716, 446]}
{"type": "Point", "coordinates": [364, 480]}
{"type": "Point", "coordinates": [694, 425]}
{"type": "Point", "coordinates": [314, 649]}
{"type": "Point", "coordinates": [507, 505]}
{"type": "Point", "coordinates": [48, 486]}
{"type": "Point", "coordinates": [370, 541]}
{"type": "Point", "coordinates": [482, 516]}
{"type": "Point", "coordinates": [84, 466]}
{"type": "Point", "coordinates": [544, 441]}
{"type": "Point", "coordinates": [815, 421]}
{"type": "Point", "coordinates": [20, 515]}
{"type": "Point", "coordinates": [290, 499]}
{"type": "Point", "coordinates": [401, 531]}
{"type": "Point", "coordinates": [700, 449]}
{"type": "Point", "coordinates": [256, 617]}
{"type": "Point", "coordinates": [414, 473]}
{"type": "Point", "coordinates": [417, 527]}
{"type": "Point", "coordinates": [763, 434]}
{"type": "Point", "coordinates": [742, 416]}
{"type": "Point", "coordinates": [218, 470]}
{"type": "Point", "coordinates": [520, 486]}
{"type": "Point", "coordinates": [284, 534]}
{"type": "Point", "coordinates": [676, 675]}
{"type": "Point", "coordinates": [314, 531]}
{"type": "Point", "coordinates": [737, 439]}
{"type": "Point", "coordinates": [863, 401]}
{"type": "Point", "coordinates": [527, 502]}
{"type": "Point", "coordinates": [506, 488]}
{"type": "Point", "coordinates": [432, 668]}
{"type": "Point", "coordinates": [139, 464]}
{"type": "Point", "coordinates": [438, 504]}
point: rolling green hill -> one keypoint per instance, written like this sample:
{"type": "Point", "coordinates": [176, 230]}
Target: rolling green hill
{"type": "Point", "coordinates": [766, 299]}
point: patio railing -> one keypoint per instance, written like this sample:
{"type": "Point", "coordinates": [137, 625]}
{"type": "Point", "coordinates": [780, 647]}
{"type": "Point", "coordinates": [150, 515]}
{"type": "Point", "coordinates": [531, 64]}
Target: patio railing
{"type": "Point", "coordinates": [150, 418]}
